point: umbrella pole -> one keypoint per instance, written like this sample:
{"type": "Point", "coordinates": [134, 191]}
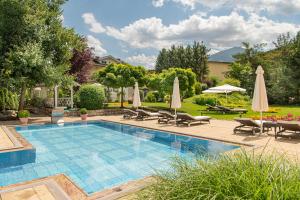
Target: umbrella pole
{"type": "Point", "coordinates": [175, 117]}
{"type": "Point", "coordinates": [261, 122]}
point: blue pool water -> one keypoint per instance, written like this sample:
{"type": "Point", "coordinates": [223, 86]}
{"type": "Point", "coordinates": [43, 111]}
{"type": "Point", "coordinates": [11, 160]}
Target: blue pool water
{"type": "Point", "coordinates": [100, 155]}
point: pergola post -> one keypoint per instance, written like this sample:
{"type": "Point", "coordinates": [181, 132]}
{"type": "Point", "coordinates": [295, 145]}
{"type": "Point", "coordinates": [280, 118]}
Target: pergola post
{"type": "Point", "coordinates": [55, 96]}
{"type": "Point", "coordinates": [72, 101]}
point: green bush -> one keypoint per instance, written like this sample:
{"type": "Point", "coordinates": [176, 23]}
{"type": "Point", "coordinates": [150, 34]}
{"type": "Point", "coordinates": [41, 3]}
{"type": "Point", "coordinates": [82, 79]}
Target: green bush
{"type": "Point", "coordinates": [198, 88]}
{"type": "Point", "coordinates": [37, 102]}
{"type": "Point", "coordinates": [83, 111]}
{"type": "Point", "coordinates": [91, 97]}
{"type": "Point", "coordinates": [23, 114]}
{"type": "Point", "coordinates": [151, 97]}
{"type": "Point", "coordinates": [239, 176]}
{"type": "Point", "coordinates": [205, 99]}
{"type": "Point", "coordinates": [234, 99]}
{"type": "Point", "coordinates": [8, 99]}
{"type": "Point", "coordinates": [231, 81]}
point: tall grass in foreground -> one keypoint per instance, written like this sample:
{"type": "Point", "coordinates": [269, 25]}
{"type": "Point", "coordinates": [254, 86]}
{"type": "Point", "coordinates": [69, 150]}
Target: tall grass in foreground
{"type": "Point", "coordinates": [241, 176]}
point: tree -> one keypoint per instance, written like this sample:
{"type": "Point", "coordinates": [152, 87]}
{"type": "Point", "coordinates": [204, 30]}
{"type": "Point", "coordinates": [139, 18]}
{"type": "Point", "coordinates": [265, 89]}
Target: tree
{"type": "Point", "coordinates": [200, 60]}
{"type": "Point", "coordinates": [34, 46]}
{"type": "Point", "coordinates": [163, 82]}
{"type": "Point", "coordinates": [194, 57]}
{"type": "Point", "coordinates": [162, 60]}
{"type": "Point", "coordinates": [81, 64]}
{"type": "Point", "coordinates": [243, 73]}
{"type": "Point", "coordinates": [121, 76]}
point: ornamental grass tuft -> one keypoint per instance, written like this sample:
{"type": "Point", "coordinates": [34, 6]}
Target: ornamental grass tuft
{"type": "Point", "coordinates": [239, 176]}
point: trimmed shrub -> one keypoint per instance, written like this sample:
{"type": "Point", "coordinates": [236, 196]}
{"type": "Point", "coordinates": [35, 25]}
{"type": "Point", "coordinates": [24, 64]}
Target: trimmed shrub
{"type": "Point", "coordinates": [234, 99]}
{"type": "Point", "coordinates": [205, 99]}
{"type": "Point", "coordinates": [198, 88]}
{"type": "Point", "coordinates": [91, 97]}
{"type": "Point", "coordinates": [83, 111]}
{"type": "Point", "coordinates": [239, 176]}
{"type": "Point", "coordinates": [23, 114]}
{"type": "Point", "coordinates": [151, 97]}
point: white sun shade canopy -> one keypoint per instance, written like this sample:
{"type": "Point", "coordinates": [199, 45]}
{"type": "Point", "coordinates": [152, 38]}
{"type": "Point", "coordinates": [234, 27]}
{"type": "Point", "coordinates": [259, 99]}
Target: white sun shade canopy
{"type": "Point", "coordinates": [260, 99]}
{"type": "Point", "coordinates": [176, 102]}
{"type": "Point", "coordinates": [224, 89]}
{"type": "Point", "coordinates": [136, 96]}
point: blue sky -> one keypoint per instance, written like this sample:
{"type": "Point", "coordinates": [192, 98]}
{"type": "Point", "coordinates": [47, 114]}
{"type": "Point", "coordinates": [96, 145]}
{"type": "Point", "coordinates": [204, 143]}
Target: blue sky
{"type": "Point", "coordinates": [135, 30]}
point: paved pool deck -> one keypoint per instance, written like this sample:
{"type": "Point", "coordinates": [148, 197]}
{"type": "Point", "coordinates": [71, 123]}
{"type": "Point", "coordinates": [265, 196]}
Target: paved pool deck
{"type": "Point", "coordinates": [220, 130]}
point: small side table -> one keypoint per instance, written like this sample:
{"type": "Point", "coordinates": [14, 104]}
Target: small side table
{"type": "Point", "coordinates": [269, 125]}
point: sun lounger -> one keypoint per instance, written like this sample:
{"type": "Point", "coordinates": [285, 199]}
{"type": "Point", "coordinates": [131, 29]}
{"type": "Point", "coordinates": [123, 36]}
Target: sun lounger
{"type": "Point", "coordinates": [246, 124]}
{"type": "Point", "coordinates": [293, 127]}
{"type": "Point", "coordinates": [211, 108]}
{"type": "Point", "coordinates": [130, 114]}
{"type": "Point", "coordinates": [143, 114]}
{"type": "Point", "coordinates": [232, 110]}
{"type": "Point", "coordinates": [186, 119]}
{"type": "Point", "coordinates": [165, 117]}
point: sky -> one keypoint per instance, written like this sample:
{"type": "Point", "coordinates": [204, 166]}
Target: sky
{"type": "Point", "coordinates": [136, 30]}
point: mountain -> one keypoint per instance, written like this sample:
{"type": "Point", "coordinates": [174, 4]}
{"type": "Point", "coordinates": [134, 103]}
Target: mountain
{"type": "Point", "coordinates": [226, 55]}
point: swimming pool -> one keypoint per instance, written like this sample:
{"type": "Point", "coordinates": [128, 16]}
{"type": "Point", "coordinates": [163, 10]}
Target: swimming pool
{"type": "Point", "coordinates": [99, 155]}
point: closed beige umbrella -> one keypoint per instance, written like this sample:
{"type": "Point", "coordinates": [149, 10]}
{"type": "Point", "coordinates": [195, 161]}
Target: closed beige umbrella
{"type": "Point", "coordinates": [260, 98]}
{"type": "Point", "coordinates": [176, 101]}
{"type": "Point", "coordinates": [136, 96]}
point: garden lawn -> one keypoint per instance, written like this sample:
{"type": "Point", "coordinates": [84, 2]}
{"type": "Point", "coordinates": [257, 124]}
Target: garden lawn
{"type": "Point", "coordinates": [189, 107]}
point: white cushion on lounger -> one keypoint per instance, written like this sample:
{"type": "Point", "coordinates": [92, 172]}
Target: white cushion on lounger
{"type": "Point", "coordinates": [258, 122]}
{"type": "Point", "coordinates": [153, 114]}
{"type": "Point", "coordinates": [201, 117]}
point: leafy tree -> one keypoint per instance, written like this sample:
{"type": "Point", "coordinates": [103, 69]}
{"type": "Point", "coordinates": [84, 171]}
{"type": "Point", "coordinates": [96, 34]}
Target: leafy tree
{"type": "Point", "coordinates": [81, 64]}
{"type": "Point", "coordinates": [243, 73]}
{"type": "Point", "coordinates": [121, 76]}
{"type": "Point", "coordinates": [34, 46]}
{"type": "Point", "coordinates": [163, 82]}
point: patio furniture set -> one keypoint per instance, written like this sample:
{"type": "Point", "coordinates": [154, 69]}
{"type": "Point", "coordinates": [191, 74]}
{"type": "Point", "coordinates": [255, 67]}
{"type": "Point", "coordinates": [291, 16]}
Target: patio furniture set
{"type": "Point", "coordinates": [280, 127]}
{"type": "Point", "coordinates": [165, 117]}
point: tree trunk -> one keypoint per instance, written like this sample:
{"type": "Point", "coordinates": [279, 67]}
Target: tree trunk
{"type": "Point", "coordinates": [122, 97]}
{"type": "Point", "coordinates": [22, 97]}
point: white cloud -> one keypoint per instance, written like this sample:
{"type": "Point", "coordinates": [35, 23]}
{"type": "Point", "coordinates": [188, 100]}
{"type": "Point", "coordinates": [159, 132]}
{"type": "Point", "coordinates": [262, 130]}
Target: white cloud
{"type": "Point", "coordinates": [256, 6]}
{"type": "Point", "coordinates": [216, 31]}
{"type": "Point", "coordinates": [142, 60]}
{"type": "Point", "coordinates": [158, 3]}
{"type": "Point", "coordinates": [90, 20]}
{"type": "Point", "coordinates": [96, 45]}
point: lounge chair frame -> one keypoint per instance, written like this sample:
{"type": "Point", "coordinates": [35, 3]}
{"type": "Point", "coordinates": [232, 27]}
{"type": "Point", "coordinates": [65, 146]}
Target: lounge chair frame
{"type": "Point", "coordinates": [186, 119]}
{"type": "Point", "coordinates": [246, 125]}
{"type": "Point", "coordinates": [232, 110]}
{"type": "Point", "coordinates": [130, 114]}
{"type": "Point", "coordinates": [293, 127]}
{"type": "Point", "coordinates": [142, 115]}
{"type": "Point", "coordinates": [165, 117]}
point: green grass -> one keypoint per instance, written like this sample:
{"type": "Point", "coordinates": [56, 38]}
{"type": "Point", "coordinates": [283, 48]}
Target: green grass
{"type": "Point", "coordinates": [189, 107]}
{"type": "Point", "coordinates": [241, 176]}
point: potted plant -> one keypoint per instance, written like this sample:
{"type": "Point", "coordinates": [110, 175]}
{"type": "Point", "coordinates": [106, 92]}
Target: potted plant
{"type": "Point", "coordinates": [83, 113]}
{"type": "Point", "coordinates": [23, 116]}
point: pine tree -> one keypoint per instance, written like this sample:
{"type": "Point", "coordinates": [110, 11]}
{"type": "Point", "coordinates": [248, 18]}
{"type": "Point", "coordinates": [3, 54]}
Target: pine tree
{"type": "Point", "coordinates": [200, 59]}
{"type": "Point", "coordinates": [162, 61]}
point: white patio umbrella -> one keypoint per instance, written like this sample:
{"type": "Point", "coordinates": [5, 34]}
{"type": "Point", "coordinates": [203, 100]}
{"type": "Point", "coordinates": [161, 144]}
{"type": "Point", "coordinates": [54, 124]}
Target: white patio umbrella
{"type": "Point", "coordinates": [224, 89]}
{"type": "Point", "coordinates": [260, 98]}
{"type": "Point", "coordinates": [136, 96]}
{"type": "Point", "coordinates": [176, 101]}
